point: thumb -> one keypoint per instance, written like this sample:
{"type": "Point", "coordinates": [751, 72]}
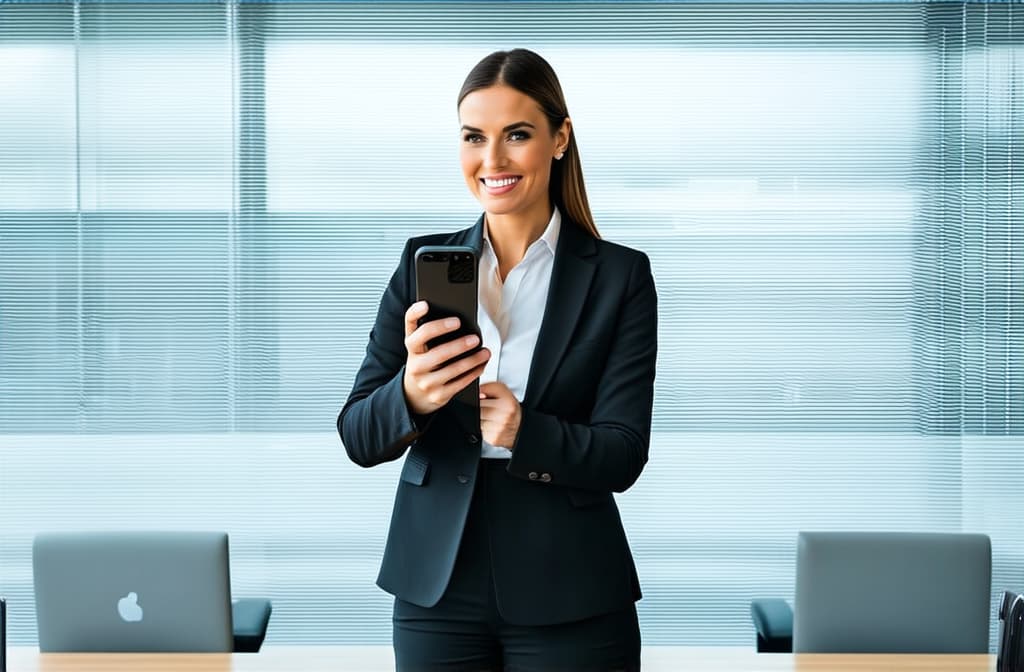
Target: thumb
{"type": "Point", "coordinates": [491, 389]}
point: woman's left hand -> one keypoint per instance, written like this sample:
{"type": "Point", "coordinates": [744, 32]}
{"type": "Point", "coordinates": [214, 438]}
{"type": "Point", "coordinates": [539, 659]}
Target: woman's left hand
{"type": "Point", "coordinates": [500, 415]}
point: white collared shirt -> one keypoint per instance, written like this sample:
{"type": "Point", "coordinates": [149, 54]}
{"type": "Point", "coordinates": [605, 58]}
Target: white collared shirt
{"type": "Point", "coordinates": [509, 314]}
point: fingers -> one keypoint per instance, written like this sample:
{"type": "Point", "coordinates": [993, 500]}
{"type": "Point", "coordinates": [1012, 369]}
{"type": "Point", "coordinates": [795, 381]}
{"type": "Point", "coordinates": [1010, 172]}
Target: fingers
{"type": "Point", "coordinates": [495, 390]}
{"type": "Point", "coordinates": [439, 356]}
{"type": "Point", "coordinates": [433, 377]}
{"type": "Point", "coordinates": [413, 315]}
{"type": "Point", "coordinates": [495, 409]}
{"type": "Point", "coordinates": [434, 388]}
{"type": "Point", "coordinates": [438, 393]}
{"type": "Point", "coordinates": [500, 414]}
{"type": "Point", "coordinates": [456, 385]}
{"type": "Point", "coordinates": [417, 339]}
{"type": "Point", "coordinates": [496, 400]}
{"type": "Point", "coordinates": [436, 357]}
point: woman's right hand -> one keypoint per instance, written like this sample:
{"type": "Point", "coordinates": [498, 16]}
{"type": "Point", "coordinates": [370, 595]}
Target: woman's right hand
{"type": "Point", "coordinates": [429, 383]}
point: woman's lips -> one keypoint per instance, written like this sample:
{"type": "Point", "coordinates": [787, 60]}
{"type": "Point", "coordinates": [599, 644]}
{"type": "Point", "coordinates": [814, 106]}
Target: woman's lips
{"type": "Point", "coordinates": [496, 186]}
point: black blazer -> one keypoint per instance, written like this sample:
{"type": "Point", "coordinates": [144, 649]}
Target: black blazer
{"type": "Point", "coordinates": [559, 551]}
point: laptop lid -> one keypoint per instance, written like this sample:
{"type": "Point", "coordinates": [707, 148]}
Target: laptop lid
{"type": "Point", "coordinates": [892, 592]}
{"type": "Point", "coordinates": [133, 591]}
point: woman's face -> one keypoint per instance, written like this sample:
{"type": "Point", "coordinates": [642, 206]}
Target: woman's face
{"type": "Point", "coordinates": [506, 151]}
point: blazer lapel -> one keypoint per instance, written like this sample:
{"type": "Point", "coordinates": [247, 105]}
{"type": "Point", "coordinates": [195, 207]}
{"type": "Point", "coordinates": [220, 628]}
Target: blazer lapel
{"type": "Point", "coordinates": [471, 237]}
{"type": "Point", "coordinates": [571, 276]}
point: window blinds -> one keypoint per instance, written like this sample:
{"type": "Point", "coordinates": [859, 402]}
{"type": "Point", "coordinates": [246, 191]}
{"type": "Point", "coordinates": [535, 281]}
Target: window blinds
{"type": "Point", "coordinates": [200, 204]}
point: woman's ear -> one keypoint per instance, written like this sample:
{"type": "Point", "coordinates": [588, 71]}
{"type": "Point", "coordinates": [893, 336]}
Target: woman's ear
{"type": "Point", "coordinates": [562, 136]}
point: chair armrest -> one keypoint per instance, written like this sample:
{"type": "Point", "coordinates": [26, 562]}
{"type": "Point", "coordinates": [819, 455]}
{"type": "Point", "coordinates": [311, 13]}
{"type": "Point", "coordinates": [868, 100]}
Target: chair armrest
{"type": "Point", "coordinates": [249, 617]}
{"type": "Point", "coordinates": [773, 620]}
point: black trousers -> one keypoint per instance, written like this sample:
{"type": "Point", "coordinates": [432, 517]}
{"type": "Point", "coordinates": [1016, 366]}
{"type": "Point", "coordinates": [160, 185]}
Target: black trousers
{"type": "Point", "coordinates": [465, 631]}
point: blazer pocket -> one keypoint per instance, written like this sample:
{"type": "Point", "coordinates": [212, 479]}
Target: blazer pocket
{"type": "Point", "coordinates": [581, 498]}
{"type": "Point", "coordinates": [416, 469]}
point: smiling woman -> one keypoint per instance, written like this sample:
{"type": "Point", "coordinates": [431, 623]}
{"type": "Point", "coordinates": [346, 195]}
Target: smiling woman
{"type": "Point", "coordinates": [505, 83]}
{"type": "Point", "coordinates": [506, 549]}
{"type": "Point", "coordinates": [508, 166]}
{"type": "Point", "coordinates": [202, 202]}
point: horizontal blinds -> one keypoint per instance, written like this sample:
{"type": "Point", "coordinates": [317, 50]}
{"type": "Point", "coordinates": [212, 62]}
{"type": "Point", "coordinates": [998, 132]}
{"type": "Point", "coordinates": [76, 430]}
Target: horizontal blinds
{"type": "Point", "coordinates": [200, 204]}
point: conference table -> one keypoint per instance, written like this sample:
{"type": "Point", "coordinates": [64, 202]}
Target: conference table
{"type": "Point", "coordinates": [379, 659]}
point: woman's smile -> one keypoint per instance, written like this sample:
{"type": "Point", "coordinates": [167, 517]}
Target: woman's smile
{"type": "Point", "coordinates": [496, 185]}
{"type": "Point", "coordinates": [507, 151]}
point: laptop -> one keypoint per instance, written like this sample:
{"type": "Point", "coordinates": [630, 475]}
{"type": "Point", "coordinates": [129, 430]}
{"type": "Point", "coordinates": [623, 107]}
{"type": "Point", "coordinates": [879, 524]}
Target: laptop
{"type": "Point", "coordinates": [892, 592]}
{"type": "Point", "coordinates": [132, 591]}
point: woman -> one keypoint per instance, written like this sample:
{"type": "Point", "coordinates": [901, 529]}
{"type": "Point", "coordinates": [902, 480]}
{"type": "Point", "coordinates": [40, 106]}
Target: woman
{"type": "Point", "coordinates": [506, 550]}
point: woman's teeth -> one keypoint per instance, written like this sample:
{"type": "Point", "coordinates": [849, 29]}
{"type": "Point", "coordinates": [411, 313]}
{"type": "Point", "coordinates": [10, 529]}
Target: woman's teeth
{"type": "Point", "coordinates": [494, 184]}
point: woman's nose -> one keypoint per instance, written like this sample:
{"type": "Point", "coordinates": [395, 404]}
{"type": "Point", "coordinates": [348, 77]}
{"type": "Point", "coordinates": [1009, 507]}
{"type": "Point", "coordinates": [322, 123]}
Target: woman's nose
{"type": "Point", "coordinates": [495, 157]}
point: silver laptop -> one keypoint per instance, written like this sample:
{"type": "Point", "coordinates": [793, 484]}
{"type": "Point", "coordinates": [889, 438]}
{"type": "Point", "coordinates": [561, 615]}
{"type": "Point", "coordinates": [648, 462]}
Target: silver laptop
{"type": "Point", "coordinates": [892, 592]}
{"type": "Point", "coordinates": [133, 591]}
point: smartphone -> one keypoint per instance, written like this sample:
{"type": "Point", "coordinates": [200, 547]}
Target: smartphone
{"type": "Point", "coordinates": [446, 278]}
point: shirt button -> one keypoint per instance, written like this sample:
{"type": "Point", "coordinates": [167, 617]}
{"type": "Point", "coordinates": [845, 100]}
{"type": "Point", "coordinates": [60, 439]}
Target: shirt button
{"type": "Point", "coordinates": [472, 438]}
{"type": "Point", "coordinates": [533, 475]}
{"type": "Point", "coordinates": [462, 478]}
{"type": "Point", "coordinates": [546, 478]}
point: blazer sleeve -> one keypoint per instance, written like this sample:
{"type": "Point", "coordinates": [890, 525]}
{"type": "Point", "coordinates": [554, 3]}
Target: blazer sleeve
{"type": "Point", "coordinates": [375, 423]}
{"type": "Point", "coordinates": [609, 452]}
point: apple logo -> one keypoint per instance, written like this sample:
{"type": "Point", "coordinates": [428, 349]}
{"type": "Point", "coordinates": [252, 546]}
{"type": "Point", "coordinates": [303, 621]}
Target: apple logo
{"type": "Point", "coordinates": [128, 608]}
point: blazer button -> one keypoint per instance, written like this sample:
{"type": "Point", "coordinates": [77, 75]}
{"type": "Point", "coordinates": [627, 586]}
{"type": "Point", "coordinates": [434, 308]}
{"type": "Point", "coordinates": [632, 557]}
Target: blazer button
{"type": "Point", "coordinates": [546, 478]}
{"type": "Point", "coordinates": [472, 438]}
{"type": "Point", "coordinates": [462, 478]}
{"type": "Point", "coordinates": [533, 475]}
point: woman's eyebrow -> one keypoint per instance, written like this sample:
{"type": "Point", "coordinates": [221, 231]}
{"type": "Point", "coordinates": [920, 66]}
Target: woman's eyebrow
{"type": "Point", "coordinates": [508, 128]}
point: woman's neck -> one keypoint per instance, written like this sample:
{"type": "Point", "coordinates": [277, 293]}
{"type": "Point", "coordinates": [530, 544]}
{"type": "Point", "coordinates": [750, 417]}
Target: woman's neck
{"type": "Point", "coordinates": [512, 235]}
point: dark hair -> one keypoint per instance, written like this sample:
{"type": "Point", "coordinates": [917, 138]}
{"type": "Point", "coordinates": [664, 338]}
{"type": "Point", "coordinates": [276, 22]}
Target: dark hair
{"type": "Point", "coordinates": [528, 73]}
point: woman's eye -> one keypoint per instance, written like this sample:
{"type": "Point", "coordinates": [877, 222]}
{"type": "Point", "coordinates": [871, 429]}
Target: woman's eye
{"type": "Point", "coordinates": [473, 138]}
{"type": "Point", "coordinates": [518, 135]}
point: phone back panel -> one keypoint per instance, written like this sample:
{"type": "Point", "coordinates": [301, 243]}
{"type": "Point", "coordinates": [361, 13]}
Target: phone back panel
{"type": "Point", "coordinates": [450, 289]}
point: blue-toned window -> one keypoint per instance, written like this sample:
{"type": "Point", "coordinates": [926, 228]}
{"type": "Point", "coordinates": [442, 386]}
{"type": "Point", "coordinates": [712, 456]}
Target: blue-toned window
{"type": "Point", "coordinates": [200, 204]}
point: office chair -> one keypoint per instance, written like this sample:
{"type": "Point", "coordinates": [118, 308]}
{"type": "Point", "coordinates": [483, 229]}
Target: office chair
{"type": "Point", "coordinates": [249, 619]}
{"type": "Point", "coordinates": [862, 592]}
